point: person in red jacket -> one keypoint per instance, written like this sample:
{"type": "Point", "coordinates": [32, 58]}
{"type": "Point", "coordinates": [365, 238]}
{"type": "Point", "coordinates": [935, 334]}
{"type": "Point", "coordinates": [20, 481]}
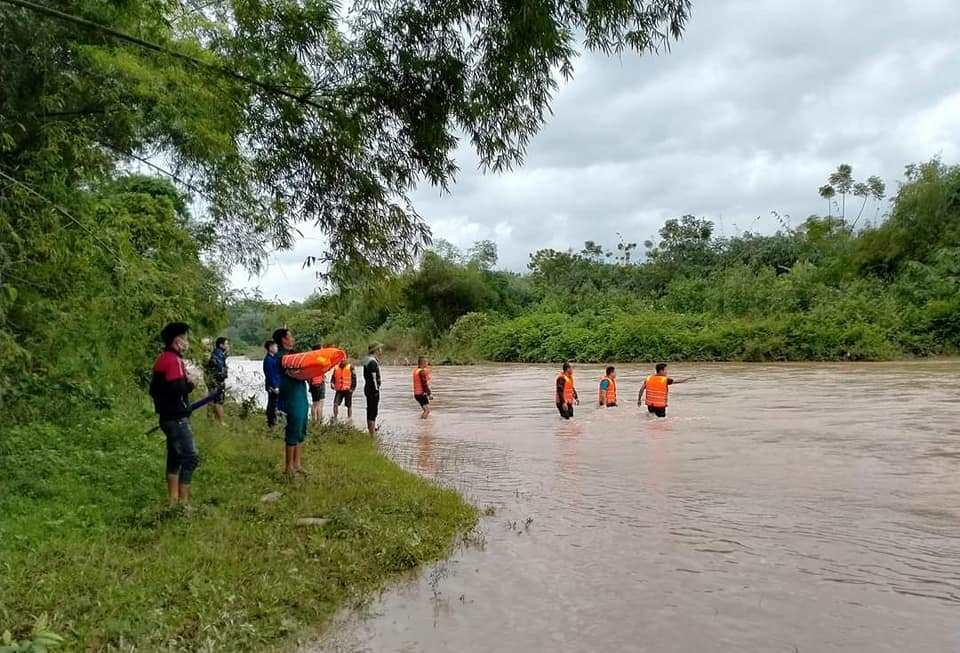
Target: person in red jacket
{"type": "Point", "coordinates": [170, 387]}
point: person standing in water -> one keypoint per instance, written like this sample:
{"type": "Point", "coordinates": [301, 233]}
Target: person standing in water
{"type": "Point", "coordinates": [293, 394]}
{"type": "Point", "coordinates": [318, 393]}
{"type": "Point", "coordinates": [421, 386]}
{"type": "Point", "coordinates": [344, 382]}
{"type": "Point", "coordinates": [608, 388]}
{"type": "Point", "coordinates": [170, 388]}
{"type": "Point", "coordinates": [566, 392]}
{"type": "Point", "coordinates": [657, 387]}
{"type": "Point", "coordinates": [371, 386]}
{"type": "Point", "coordinates": [271, 380]}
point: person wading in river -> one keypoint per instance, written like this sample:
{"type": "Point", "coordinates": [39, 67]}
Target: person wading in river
{"type": "Point", "coordinates": [657, 387]}
{"type": "Point", "coordinates": [293, 395]}
{"type": "Point", "coordinates": [371, 386]}
{"type": "Point", "coordinates": [421, 386]}
{"type": "Point", "coordinates": [607, 395]}
{"type": "Point", "coordinates": [344, 382]}
{"type": "Point", "coordinates": [566, 392]}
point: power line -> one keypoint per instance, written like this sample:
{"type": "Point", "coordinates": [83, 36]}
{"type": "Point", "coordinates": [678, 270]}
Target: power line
{"type": "Point", "coordinates": [303, 98]}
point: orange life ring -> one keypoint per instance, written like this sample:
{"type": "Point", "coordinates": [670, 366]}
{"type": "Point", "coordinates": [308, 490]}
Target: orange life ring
{"type": "Point", "coordinates": [313, 363]}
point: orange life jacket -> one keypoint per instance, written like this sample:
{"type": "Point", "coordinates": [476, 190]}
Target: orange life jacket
{"type": "Point", "coordinates": [657, 389]}
{"type": "Point", "coordinates": [568, 388]}
{"type": "Point", "coordinates": [418, 381]}
{"type": "Point", "coordinates": [318, 380]}
{"type": "Point", "coordinates": [611, 396]}
{"type": "Point", "coordinates": [342, 378]}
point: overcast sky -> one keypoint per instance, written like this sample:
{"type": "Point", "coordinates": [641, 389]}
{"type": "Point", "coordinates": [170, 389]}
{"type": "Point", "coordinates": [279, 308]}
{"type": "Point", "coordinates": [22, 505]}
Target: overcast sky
{"type": "Point", "coordinates": [747, 114]}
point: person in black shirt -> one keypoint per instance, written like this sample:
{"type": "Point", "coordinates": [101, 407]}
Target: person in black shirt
{"type": "Point", "coordinates": [371, 386]}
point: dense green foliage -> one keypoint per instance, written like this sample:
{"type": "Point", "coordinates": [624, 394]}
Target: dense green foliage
{"type": "Point", "coordinates": [823, 291]}
{"type": "Point", "coordinates": [289, 112]}
{"type": "Point", "coordinates": [83, 538]}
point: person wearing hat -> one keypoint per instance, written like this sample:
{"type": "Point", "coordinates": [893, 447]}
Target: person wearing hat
{"type": "Point", "coordinates": [170, 388]}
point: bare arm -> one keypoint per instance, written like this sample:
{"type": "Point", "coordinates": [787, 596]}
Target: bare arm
{"type": "Point", "coordinates": [686, 380]}
{"type": "Point", "coordinates": [643, 387]}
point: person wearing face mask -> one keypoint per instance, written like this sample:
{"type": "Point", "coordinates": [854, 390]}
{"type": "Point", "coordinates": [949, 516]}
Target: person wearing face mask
{"type": "Point", "coordinates": [170, 387]}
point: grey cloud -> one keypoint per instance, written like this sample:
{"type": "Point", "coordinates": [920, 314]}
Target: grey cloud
{"type": "Point", "coordinates": [747, 114]}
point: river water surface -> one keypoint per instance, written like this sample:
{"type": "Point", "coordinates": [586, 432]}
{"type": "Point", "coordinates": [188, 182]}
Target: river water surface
{"type": "Point", "coordinates": [777, 508]}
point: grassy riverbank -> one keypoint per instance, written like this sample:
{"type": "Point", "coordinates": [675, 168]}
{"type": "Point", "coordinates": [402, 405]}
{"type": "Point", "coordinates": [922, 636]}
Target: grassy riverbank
{"type": "Point", "coordinates": [86, 539]}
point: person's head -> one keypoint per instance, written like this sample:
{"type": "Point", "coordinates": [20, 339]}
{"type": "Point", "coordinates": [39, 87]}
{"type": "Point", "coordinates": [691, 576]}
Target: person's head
{"type": "Point", "coordinates": [174, 336]}
{"type": "Point", "coordinates": [661, 368]}
{"type": "Point", "coordinates": [422, 361]}
{"type": "Point", "coordinates": [374, 349]}
{"type": "Point", "coordinates": [270, 346]}
{"type": "Point", "coordinates": [567, 368]}
{"type": "Point", "coordinates": [284, 338]}
{"type": "Point", "coordinates": [316, 346]}
{"type": "Point", "coordinates": [611, 371]}
{"type": "Point", "coordinates": [222, 343]}
{"type": "Point", "coordinates": [343, 363]}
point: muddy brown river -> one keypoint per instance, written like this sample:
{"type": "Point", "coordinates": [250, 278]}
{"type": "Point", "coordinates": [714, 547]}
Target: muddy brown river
{"type": "Point", "coordinates": [778, 508]}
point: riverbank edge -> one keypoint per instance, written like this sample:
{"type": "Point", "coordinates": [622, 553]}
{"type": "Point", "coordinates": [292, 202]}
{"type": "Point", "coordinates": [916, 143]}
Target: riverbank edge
{"type": "Point", "coordinates": [95, 549]}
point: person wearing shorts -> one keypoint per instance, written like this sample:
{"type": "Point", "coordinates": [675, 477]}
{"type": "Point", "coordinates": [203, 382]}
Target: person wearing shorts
{"type": "Point", "coordinates": [293, 394]}
{"type": "Point", "coordinates": [318, 392]}
{"type": "Point", "coordinates": [421, 386]}
{"type": "Point", "coordinates": [343, 382]}
{"type": "Point", "coordinates": [170, 388]}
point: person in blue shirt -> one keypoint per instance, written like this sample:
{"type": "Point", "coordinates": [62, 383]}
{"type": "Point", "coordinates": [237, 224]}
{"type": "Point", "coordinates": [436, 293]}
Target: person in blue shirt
{"type": "Point", "coordinates": [271, 381]}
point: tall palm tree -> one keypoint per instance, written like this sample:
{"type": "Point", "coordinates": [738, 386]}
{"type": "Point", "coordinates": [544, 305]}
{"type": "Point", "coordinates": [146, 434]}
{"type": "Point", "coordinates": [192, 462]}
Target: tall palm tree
{"type": "Point", "coordinates": [842, 181]}
{"type": "Point", "coordinates": [827, 192]}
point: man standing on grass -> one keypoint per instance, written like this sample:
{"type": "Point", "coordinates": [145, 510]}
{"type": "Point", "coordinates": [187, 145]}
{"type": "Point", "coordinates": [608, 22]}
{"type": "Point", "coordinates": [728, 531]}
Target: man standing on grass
{"type": "Point", "coordinates": [344, 382]}
{"type": "Point", "coordinates": [318, 393]}
{"type": "Point", "coordinates": [271, 380]}
{"type": "Point", "coordinates": [371, 386]}
{"type": "Point", "coordinates": [170, 388]}
{"type": "Point", "coordinates": [217, 377]}
{"type": "Point", "coordinates": [657, 387]}
{"type": "Point", "coordinates": [293, 394]}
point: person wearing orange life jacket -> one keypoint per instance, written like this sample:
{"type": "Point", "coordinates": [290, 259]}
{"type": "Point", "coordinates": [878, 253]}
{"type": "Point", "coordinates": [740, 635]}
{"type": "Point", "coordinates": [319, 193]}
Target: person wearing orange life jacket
{"type": "Point", "coordinates": [318, 392]}
{"type": "Point", "coordinates": [657, 387]}
{"type": "Point", "coordinates": [607, 395]}
{"type": "Point", "coordinates": [566, 392]}
{"type": "Point", "coordinates": [344, 382]}
{"type": "Point", "coordinates": [421, 386]}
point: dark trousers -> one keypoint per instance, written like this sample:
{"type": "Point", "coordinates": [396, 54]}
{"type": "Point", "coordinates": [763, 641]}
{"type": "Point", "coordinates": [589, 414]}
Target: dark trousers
{"type": "Point", "coordinates": [566, 410]}
{"type": "Point", "coordinates": [182, 456]}
{"type": "Point", "coordinates": [271, 408]}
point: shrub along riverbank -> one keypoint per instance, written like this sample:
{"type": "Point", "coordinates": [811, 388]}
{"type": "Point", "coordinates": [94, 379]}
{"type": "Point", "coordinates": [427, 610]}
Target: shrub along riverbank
{"type": "Point", "coordinates": [86, 539]}
{"type": "Point", "coordinates": [830, 288]}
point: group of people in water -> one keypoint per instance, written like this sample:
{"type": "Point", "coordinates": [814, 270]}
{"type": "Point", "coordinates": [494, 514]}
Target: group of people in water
{"type": "Point", "coordinates": [656, 387]}
{"type": "Point", "coordinates": [172, 383]}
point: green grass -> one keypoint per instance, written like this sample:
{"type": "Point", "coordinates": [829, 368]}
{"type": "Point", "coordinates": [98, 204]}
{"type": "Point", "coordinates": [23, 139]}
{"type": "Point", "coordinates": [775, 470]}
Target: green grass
{"type": "Point", "coordinates": [85, 537]}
